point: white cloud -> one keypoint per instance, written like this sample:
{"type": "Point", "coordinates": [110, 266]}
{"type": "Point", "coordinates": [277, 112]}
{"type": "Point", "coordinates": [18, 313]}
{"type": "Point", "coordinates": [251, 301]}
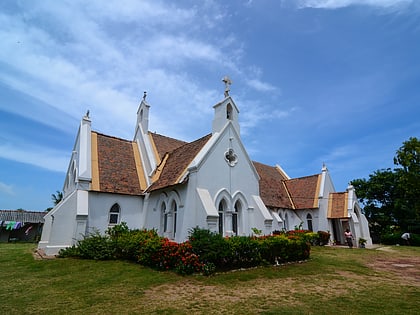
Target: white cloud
{"type": "Point", "coordinates": [42, 157]}
{"type": "Point", "coordinates": [260, 86]}
{"type": "Point", "coordinates": [335, 4]}
{"type": "Point", "coordinates": [7, 189]}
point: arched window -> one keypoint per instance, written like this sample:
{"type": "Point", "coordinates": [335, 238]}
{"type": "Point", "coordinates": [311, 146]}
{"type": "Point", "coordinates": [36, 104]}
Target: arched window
{"type": "Point", "coordinates": [222, 207]}
{"type": "Point", "coordinates": [235, 214]}
{"type": "Point", "coordinates": [114, 214]}
{"type": "Point", "coordinates": [174, 209]}
{"type": "Point", "coordinates": [309, 222]}
{"type": "Point", "coordinates": [229, 112]}
{"type": "Point", "coordinates": [286, 222]}
{"type": "Point", "coordinates": [164, 214]}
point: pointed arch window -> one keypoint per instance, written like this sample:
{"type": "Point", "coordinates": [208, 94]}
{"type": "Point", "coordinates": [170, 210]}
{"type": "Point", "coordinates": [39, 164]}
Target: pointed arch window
{"type": "Point", "coordinates": [309, 222]}
{"type": "Point", "coordinates": [222, 208]}
{"type": "Point", "coordinates": [174, 210]}
{"type": "Point", "coordinates": [114, 214]}
{"type": "Point", "coordinates": [235, 217]}
{"type": "Point", "coordinates": [164, 213]}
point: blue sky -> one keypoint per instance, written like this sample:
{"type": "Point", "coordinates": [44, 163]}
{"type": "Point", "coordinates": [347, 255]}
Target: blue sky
{"type": "Point", "coordinates": [316, 81]}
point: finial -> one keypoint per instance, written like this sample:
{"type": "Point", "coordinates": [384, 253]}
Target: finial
{"type": "Point", "coordinates": [144, 96]}
{"type": "Point", "coordinates": [227, 83]}
{"type": "Point", "coordinates": [87, 114]}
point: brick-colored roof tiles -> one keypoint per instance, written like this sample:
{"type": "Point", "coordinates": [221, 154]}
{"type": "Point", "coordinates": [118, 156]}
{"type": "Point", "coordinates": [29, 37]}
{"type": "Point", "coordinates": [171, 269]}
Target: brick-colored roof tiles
{"type": "Point", "coordinates": [337, 205]}
{"type": "Point", "coordinates": [303, 191]}
{"type": "Point", "coordinates": [117, 167]}
{"type": "Point", "coordinates": [272, 189]}
{"type": "Point", "coordinates": [165, 144]}
{"type": "Point", "coordinates": [177, 162]}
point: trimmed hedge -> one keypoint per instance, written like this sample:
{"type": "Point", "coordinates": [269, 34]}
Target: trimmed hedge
{"type": "Point", "coordinates": [204, 251]}
{"type": "Point", "coordinates": [395, 238]}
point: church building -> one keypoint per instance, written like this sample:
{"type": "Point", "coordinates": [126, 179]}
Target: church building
{"type": "Point", "coordinates": [157, 182]}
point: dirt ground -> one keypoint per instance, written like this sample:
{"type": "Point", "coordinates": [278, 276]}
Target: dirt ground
{"type": "Point", "coordinates": [406, 268]}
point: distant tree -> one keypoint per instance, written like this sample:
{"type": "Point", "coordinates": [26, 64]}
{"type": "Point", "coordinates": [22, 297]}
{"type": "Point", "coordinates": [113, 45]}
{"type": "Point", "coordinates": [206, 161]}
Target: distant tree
{"type": "Point", "coordinates": [392, 197]}
{"type": "Point", "coordinates": [57, 197]}
{"type": "Point", "coordinates": [407, 161]}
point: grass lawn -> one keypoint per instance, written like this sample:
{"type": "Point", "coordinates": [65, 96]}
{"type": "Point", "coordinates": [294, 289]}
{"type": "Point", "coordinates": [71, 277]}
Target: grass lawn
{"type": "Point", "coordinates": [334, 280]}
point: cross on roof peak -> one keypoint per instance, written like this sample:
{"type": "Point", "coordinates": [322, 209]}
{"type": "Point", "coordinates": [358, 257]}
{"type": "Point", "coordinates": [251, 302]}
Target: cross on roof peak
{"type": "Point", "coordinates": [227, 81]}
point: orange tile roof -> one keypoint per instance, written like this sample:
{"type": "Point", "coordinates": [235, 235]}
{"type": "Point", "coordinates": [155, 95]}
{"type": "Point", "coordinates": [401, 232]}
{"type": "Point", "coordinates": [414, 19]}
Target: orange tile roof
{"type": "Point", "coordinates": [303, 191]}
{"type": "Point", "coordinates": [165, 144]}
{"type": "Point", "coordinates": [337, 205]}
{"type": "Point", "coordinates": [272, 189]}
{"type": "Point", "coordinates": [176, 163]}
{"type": "Point", "coordinates": [117, 170]}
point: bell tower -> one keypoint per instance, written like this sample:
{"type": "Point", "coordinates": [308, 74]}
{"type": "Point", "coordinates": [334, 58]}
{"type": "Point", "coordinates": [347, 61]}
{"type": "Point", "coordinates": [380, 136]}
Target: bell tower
{"type": "Point", "coordinates": [226, 111]}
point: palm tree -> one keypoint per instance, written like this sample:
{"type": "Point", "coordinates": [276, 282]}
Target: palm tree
{"type": "Point", "coordinates": [57, 197]}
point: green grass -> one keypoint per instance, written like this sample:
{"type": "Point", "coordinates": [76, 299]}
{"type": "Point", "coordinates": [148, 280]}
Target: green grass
{"type": "Point", "coordinates": [334, 281]}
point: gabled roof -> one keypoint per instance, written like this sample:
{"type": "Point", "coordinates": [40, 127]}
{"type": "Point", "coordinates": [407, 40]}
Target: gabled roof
{"type": "Point", "coordinates": [337, 205]}
{"type": "Point", "coordinates": [165, 144]}
{"type": "Point", "coordinates": [22, 216]}
{"type": "Point", "coordinates": [272, 188]}
{"type": "Point", "coordinates": [117, 167]}
{"type": "Point", "coordinates": [174, 166]}
{"type": "Point", "coordinates": [304, 191]}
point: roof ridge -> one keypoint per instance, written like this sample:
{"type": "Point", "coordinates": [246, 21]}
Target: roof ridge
{"type": "Point", "coordinates": [302, 177]}
{"type": "Point", "coordinates": [113, 137]}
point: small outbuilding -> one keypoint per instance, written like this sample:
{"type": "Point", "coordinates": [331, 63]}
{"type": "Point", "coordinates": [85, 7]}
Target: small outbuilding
{"type": "Point", "coordinates": [21, 225]}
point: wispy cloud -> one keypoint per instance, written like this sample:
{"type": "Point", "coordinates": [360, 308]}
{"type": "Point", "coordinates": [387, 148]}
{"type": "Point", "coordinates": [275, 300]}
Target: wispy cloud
{"type": "Point", "coordinates": [335, 4]}
{"type": "Point", "coordinates": [261, 86]}
{"type": "Point", "coordinates": [7, 189]}
{"type": "Point", "coordinates": [42, 157]}
{"type": "Point", "coordinates": [69, 58]}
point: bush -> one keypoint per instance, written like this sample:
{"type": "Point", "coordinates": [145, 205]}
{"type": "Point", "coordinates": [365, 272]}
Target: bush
{"type": "Point", "coordinates": [281, 249]}
{"type": "Point", "coordinates": [395, 238]}
{"type": "Point", "coordinates": [129, 242]}
{"type": "Point", "coordinates": [205, 251]}
{"type": "Point", "coordinates": [244, 252]}
{"type": "Point", "coordinates": [93, 246]}
{"type": "Point", "coordinates": [211, 247]}
{"type": "Point", "coordinates": [324, 237]}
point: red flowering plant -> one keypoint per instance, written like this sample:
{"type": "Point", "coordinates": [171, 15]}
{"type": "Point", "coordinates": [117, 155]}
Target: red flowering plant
{"type": "Point", "coordinates": [188, 262]}
{"type": "Point", "coordinates": [166, 256]}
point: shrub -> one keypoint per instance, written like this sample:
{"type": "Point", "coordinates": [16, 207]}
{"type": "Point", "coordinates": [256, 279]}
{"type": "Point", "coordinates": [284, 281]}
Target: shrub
{"type": "Point", "coordinates": [128, 242]}
{"type": "Point", "coordinates": [188, 262]}
{"type": "Point", "coordinates": [72, 251]}
{"type": "Point", "coordinates": [395, 238]}
{"type": "Point", "coordinates": [274, 249]}
{"type": "Point", "coordinates": [211, 247]}
{"type": "Point", "coordinates": [92, 246]}
{"type": "Point", "coordinates": [148, 252]}
{"type": "Point", "coordinates": [324, 237]}
{"type": "Point", "coordinates": [205, 251]}
{"type": "Point", "coordinates": [244, 252]}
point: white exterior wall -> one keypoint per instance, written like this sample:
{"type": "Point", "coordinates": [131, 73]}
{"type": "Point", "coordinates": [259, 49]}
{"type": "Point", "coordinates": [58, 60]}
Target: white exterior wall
{"type": "Point", "coordinates": [326, 187]}
{"type": "Point", "coordinates": [100, 204]}
{"type": "Point", "coordinates": [58, 230]}
{"type": "Point", "coordinates": [220, 180]}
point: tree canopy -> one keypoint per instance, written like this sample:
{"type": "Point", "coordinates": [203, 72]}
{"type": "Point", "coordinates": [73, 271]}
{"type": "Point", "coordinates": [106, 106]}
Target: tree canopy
{"type": "Point", "coordinates": [391, 198]}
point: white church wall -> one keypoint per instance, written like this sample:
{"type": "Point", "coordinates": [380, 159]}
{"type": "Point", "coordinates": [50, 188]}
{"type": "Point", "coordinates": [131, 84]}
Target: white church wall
{"type": "Point", "coordinates": [215, 174]}
{"type": "Point", "coordinates": [100, 204]}
{"type": "Point", "coordinates": [58, 228]}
